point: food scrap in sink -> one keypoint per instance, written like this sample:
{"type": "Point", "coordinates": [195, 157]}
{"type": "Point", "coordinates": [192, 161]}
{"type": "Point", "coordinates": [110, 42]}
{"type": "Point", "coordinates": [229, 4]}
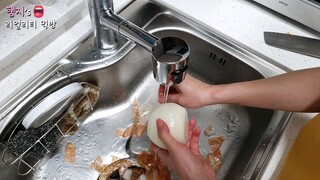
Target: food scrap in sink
{"type": "Point", "coordinates": [108, 170]}
{"type": "Point", "coordinates": [80, 108]}
{"type": "Point", "coordinates": [209, 131]}
{"type": "Point", "coordinates": [153, 167]}
{"type": "Point", "coordinates": [214, 156]}
{"type": "Point", "coordinates": [149, 168]}
{"type": "Point", "coordinates": [70, 153]}
{"type": "Point", "coordinates": [138, 126]}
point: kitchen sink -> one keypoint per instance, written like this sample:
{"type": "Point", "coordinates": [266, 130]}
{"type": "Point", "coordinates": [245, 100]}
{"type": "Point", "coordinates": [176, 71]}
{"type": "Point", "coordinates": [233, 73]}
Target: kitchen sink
{"type": "Point", "coordinates": [250, 133]}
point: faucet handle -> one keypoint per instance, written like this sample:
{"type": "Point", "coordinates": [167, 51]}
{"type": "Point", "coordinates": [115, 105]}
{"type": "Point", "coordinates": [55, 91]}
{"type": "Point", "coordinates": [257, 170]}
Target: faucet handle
{"type": "Point", "coordinates": [170, 62]}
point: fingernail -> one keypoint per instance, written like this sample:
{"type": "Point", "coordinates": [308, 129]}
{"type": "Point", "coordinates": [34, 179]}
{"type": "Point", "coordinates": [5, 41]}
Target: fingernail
{"type": "Point", "coordinates": [159, 123]}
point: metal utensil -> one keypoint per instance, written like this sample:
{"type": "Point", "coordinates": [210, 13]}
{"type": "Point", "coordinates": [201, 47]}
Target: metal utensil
{"type": "Point", "coordinates": [298, 44]}
{"type": "Point", "coordinates": [132, 155]}
{"type": "Point", "coordinates": [141, 143]}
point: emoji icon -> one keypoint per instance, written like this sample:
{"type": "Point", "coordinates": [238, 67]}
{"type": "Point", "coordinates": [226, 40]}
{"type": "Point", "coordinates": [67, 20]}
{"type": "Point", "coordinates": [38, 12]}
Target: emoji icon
{"type": "Point", "coordinates": [38, 11]}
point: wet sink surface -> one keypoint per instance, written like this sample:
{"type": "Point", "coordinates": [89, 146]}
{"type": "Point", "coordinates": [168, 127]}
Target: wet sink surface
{"type": "Point", "coordinates": [249, 133]}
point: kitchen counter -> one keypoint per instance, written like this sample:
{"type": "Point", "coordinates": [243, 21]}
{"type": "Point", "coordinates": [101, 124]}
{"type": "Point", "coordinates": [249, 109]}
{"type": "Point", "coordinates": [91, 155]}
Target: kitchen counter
{"type": "Point", "coordinates": [239, 20]}
{"type": "Point", "coordinates": [25, 53]}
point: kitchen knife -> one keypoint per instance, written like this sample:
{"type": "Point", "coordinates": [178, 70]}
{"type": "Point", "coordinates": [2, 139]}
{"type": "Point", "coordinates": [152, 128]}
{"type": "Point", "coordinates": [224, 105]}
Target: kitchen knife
{"type": "Point", "coordinates": [299, 44]}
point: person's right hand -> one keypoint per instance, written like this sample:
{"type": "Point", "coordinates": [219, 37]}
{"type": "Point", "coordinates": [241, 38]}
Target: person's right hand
{"type": "Point", "coordinates": [184, 159]}
{"type": "Point", "coordinates": [190, 93]}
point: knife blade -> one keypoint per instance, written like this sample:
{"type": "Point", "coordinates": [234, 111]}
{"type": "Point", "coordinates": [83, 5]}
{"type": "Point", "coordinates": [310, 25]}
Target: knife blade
{"type": "Point", "coordinates": [298, 44]}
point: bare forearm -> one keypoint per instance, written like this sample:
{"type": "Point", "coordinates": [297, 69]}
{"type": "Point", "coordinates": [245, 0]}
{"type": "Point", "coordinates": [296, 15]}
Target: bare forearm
{"type": "Point", "coordinates": [294, 91]}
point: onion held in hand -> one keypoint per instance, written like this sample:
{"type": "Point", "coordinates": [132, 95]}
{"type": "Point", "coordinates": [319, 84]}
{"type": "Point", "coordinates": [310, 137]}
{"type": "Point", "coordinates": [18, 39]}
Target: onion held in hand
{"type": "Point", "coordinates": [175, 116]}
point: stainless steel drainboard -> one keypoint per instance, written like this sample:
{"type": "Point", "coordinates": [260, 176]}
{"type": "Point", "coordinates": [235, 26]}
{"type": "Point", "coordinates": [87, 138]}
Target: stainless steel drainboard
{"type": "Point", "coordinates": [251, 133]}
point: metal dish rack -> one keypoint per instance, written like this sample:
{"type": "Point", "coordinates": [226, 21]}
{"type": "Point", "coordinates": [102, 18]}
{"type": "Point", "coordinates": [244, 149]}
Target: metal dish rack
{"type": "Point", "coordinates": [21, 159]}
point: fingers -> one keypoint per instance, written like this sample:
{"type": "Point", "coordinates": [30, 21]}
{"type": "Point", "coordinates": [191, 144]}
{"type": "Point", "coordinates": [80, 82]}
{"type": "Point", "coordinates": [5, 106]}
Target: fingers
{"type": "Point", "coordinates": [174, 98]}
{"type": "Point", "coordinates": [164, 135]}
{"type": "Point", "coordinates": [193, 137]}
{"type": "Point", "coordinates": [173, 95]}
{"type": "Point", "coordinates": [192, 125]}
{"type": "Point", "coordinates": [160, 93]}
{"type": "Point", "coordinates": [194, 141]}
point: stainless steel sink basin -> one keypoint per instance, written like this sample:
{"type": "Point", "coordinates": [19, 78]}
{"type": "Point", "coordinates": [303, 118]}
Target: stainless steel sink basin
{"type": "Point", "coordinates": [250, 133]}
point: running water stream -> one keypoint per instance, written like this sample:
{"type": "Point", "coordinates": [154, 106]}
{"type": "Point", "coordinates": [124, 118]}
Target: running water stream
{"type": "Point", "coordinates": [166, 91]}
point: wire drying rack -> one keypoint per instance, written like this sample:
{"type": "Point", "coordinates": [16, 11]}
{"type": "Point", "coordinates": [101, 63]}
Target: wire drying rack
{"type": "Point", "coordinates": [31, 163]}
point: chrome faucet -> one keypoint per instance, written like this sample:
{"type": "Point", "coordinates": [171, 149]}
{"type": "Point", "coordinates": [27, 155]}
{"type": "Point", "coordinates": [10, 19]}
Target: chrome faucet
{"type": "Point", "coordinates": [170, 54]}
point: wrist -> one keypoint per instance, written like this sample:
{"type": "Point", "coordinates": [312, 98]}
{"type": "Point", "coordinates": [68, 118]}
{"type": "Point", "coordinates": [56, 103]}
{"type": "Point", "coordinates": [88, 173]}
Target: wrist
{"type": "Point", "coordinates": [215, 94]}
{"type": "Point", "coordinates": [207, 173]}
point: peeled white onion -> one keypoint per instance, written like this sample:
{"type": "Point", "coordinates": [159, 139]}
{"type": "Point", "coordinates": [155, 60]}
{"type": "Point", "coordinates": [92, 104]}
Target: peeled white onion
{"type": "Point", "coordinates": [176, 118]}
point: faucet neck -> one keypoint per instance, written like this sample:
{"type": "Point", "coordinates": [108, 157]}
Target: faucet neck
{"type": "Point", "coordinates": [129, 30]}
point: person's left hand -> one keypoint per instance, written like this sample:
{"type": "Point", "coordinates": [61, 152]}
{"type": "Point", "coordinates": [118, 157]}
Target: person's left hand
{"type": "Point", "coordinates": [184, 159]}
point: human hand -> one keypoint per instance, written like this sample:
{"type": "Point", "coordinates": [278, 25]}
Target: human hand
{"type": "Point", "coordinates": [190, 93]}
{"type": "Point", "coordinates": [184, 159]}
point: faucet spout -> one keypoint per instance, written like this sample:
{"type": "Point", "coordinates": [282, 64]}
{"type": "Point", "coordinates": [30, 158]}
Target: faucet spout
{"type": "Point", "coordinates": [170, 54]}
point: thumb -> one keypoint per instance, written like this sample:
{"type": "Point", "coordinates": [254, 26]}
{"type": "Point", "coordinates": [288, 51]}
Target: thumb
{"type": "Point", "coordinates": [164, 135]}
